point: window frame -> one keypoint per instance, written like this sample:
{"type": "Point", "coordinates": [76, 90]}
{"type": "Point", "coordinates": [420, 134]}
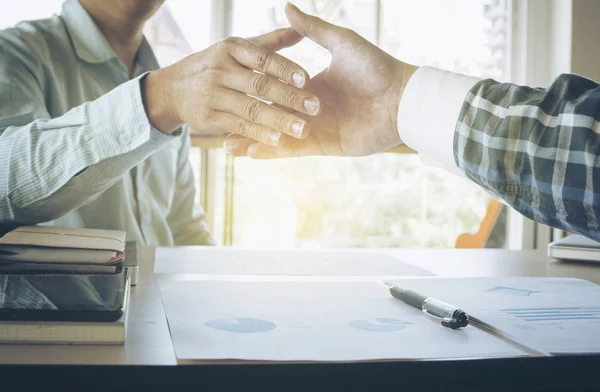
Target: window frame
{"type": "Point", "coordinates": [531, 60]}
{"type": "Point", "coordinates": [539, 40]}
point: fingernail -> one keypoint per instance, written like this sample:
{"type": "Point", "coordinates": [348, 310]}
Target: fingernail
{"type": "Point", "coordinates": [228, 146]}
{"type": "Point", "coordinates": [299, 79]}
{"type": "Point", "coordinates": [297, 128]}
{"type": "Point", "coordinates": [253, 150]}
{"type": "Point", "coordinates": [274, 138]}
{"type": "Point", "coordinates": [311, 105]}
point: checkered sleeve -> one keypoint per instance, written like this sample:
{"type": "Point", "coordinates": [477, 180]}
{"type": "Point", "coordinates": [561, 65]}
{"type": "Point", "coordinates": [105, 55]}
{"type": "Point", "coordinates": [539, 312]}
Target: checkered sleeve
{"type": "Point", "coordinates": [536, 149]}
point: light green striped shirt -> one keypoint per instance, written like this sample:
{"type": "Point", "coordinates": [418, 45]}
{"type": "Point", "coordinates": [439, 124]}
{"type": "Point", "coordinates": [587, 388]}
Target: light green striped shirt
{"type": "Point", "coordinates": [76, 147]}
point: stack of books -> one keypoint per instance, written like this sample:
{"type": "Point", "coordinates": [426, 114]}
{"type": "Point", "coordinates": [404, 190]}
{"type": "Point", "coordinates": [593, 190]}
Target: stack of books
{"type": "Point", "coordinates": [65, 285]}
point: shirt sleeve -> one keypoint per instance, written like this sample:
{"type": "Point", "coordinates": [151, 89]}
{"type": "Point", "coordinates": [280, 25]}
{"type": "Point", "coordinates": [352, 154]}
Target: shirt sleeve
{"type": "Point", "coordinates": [186, 219]}
{"type": "Point", "coordinates": [428, 113]}
{"type": "Point", "coordinates": [536, 149]}
{"type": "Point", "coordinates": [49, 166]}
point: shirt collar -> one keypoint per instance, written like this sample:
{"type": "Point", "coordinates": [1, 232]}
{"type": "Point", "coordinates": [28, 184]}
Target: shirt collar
{"type": "Point", "coordinates": [145, 58]}
{"type": "Point", "coordinates": [90, 45]}
{"type": "Point", "coordinates": [89, 42]}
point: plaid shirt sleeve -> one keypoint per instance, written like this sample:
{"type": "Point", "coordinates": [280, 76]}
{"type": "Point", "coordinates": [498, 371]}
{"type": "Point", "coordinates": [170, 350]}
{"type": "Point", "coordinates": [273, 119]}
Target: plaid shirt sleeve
{"type": "Point", "coordinates": [536, 149]}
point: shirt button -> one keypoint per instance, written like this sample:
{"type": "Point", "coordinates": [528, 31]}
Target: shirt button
{"type": "Point", "coordinates": [124, 138]}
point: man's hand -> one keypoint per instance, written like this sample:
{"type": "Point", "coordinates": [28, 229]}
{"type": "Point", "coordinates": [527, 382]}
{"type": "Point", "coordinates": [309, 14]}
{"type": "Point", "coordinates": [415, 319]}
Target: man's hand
{"type": "Point", "coordinates": [214, 91]}
{"type": "Point", "coordinates": [359, 93]}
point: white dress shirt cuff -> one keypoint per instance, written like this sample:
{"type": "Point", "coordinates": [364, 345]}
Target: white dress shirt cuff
{"type": "Point", "coordinates": [428, 113]}
{"type": "Point", "coordinates": [119, 124]}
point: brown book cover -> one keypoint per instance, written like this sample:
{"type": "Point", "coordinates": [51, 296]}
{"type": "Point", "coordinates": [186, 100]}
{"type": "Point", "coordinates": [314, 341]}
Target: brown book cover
{"type": "Point", "coordinates": [49, 244]}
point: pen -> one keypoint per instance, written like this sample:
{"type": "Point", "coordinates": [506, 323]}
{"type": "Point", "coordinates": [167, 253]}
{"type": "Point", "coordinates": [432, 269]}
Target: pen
{"type": "Point", "coordinates": [450, 316]}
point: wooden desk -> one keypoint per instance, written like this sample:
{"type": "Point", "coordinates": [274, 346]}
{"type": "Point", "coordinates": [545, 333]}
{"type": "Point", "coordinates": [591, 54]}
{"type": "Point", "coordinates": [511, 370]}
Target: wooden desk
{"type": "Point", "coordinates": [494, 262]}
{"type": "Point", "coordinates": [151, 359]}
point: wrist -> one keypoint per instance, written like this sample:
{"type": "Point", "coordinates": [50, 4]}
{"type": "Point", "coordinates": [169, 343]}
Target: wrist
{"type": "Point", "coordinates": [406, 71]}
{"type": "Point", "coordinates": [158, 102]}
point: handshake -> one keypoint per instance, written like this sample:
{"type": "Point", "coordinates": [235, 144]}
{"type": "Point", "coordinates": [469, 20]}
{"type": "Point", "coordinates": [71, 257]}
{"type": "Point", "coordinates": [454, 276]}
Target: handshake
{"type": "Point", "coordinates": [349, 109]}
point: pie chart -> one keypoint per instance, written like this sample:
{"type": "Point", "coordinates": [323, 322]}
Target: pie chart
{"type": "Point", "coordinates": [241, 325]}
{"type": "Point", "coordinates": [379, 324]}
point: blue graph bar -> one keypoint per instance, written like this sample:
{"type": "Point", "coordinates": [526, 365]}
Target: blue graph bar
{"type": "Point", "coordinates": [591, 308]}
{"type": "Point", "coordinates": [556, 314]}
{"type": "Point", "coordinates": [560, 318]}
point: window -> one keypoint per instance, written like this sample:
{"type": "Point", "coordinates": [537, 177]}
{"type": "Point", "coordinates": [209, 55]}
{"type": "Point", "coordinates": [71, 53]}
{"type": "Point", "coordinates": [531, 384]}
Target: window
{"type": "Point", "coordinates": [384, 200]}
{"type": "Point", "coordinates": [15, 12]}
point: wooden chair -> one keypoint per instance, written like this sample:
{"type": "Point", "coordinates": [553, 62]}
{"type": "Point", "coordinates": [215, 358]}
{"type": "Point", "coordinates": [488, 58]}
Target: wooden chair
{"type": "Point", "coordinates": [479, 239]}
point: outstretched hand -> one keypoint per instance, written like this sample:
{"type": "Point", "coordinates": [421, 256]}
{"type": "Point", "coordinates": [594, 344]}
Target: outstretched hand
{"type": "Point", "coordinates": [222, 89]}
{"type": "Point", "coordinates": [359, 94]}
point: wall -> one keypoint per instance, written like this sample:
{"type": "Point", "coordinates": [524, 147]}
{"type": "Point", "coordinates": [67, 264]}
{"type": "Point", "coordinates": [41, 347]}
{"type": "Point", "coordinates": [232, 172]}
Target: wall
{"type": "Point", "coordinates": [585, 39]}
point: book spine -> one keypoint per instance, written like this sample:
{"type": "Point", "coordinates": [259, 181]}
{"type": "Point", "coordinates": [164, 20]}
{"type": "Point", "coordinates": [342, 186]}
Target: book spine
{"type": "Point", "coordinates": [37, 333]}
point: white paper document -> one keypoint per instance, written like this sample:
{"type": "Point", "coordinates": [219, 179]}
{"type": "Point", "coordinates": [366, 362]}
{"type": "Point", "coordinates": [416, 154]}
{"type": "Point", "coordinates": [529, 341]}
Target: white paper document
{"type": "Point", "coordinates": [310, 321]}
{"type": "Point", "coordinates": [231, 261]}
{"type": "Point", "coordinates": [553, 315]}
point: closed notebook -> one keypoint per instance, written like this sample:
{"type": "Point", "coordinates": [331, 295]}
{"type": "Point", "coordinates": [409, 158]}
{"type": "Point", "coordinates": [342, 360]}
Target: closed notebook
{"type": "Point", "coordinates": [575, 247]}
{"type": "Point", "coordinates": [68, 332]}
{"type": "Point", "coordinates": [60, 245]}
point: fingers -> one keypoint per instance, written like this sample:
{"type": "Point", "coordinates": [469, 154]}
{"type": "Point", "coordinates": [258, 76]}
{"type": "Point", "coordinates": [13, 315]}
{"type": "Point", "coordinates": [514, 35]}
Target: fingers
{"type": "Point", "coordinates": [258, 112]}
{"type": "Point", "coordinates": [278, 80]}
{"type": "Point", "coordinates": [288, 148]}
{"type": "Point", "coordinates": [237, 146]}
{"type": "Point", "coordinates": [255, 57]}
{"type": "Point", "coordinates": [273, 90]}
{"type": "Point", "coordinates": [277, 39]}
{"type": "Point", "coordinates": [323, 33]}
{"type": "Point", "coordinates": [258, 151]}
{"type": "Point", "coordinates": [230, 123]}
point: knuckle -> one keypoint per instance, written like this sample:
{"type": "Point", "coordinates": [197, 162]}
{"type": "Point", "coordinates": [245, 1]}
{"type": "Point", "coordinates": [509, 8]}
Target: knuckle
{"type": "Point", "coordinates": [284, 69]}
{"type": "Point", "coordinates": [242, 127]}
{"type": "Point", "coordinates": [222, 46]}
{"type": "Point", "coordinates": [349, 33]}
{"type": "Point", "coordinates": [263, 60]}
{"type": "Point", "coordinates": [252, 110]}
{"type": "Point", "coordinates": [281, 122]}
{"type": "Point", "coordinates": [207, 115]}
{"type": "Point", "coordinates": [213, 74]}
{"type": "Point", "coordinates": [207, 96]}
{"type": "Point", "coordinates": [291, 99]}
{"type": "Point", "coordinates": [260, 134]}
{"type": "Point", "coordinates": [261, 85]}
{"type": "Point", "coordinates": [230, 42]}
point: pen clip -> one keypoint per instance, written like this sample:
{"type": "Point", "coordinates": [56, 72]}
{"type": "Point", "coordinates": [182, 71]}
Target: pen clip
{"type": "Point", "coordinates": [442, 319]}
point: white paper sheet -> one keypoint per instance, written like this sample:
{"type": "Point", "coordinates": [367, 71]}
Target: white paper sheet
{"type": "Point", "coordinates": [304, 321]}
{"type": "Point", "coordinates": [554, 315]}
{"type": "Point", "coordinates": [231, 261]}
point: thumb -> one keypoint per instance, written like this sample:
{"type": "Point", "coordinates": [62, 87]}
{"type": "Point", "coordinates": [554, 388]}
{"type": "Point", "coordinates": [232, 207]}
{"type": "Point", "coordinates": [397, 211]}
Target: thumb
{"type": "Point", "coordinates": [277, 39]}
{"type": "Point", "coordinates": [323, 33]}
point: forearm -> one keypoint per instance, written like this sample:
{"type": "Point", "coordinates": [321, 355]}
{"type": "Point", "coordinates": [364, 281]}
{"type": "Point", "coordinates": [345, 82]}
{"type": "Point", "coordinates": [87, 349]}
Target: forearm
{"type": "Point", "coordinates": [159, 101]}
{"type": "Point", "coordinates": [51, 166]}
{"type": "Point", "coordinates": [85, 186]}
{"type": "Point", "coordinates": [537, 149]}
